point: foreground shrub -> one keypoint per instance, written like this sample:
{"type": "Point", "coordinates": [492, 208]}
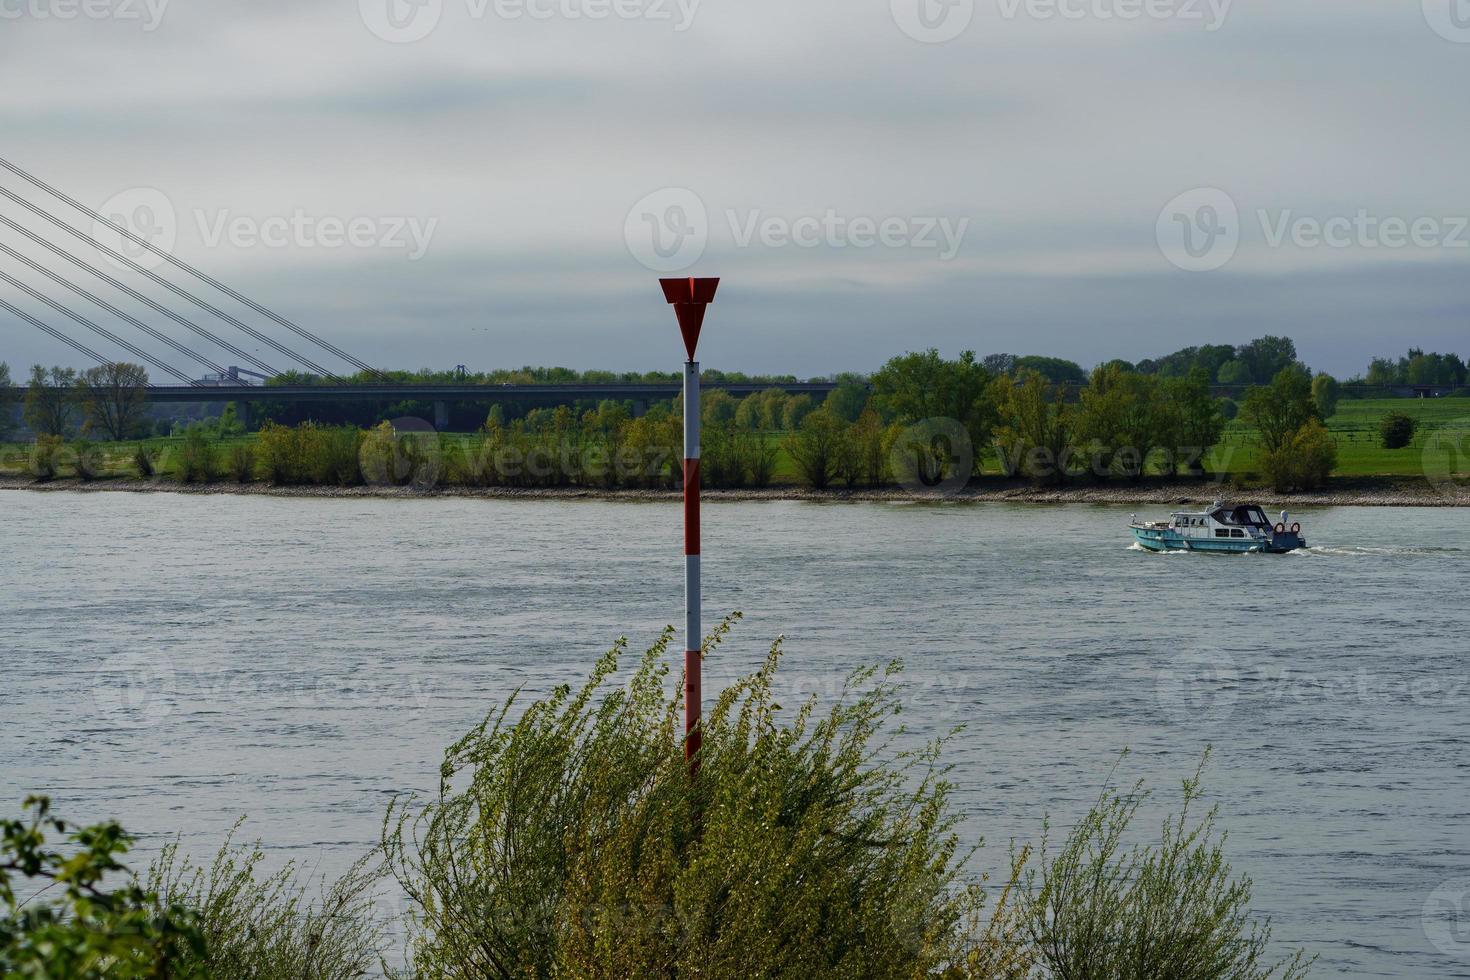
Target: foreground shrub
{"type": "Point", "coordinates": [242, 462]}
{"type": "Point", "coordinates": [1397, 430]}
{"type": "Point", "coordinates": [195, 461]}
{"type": "Point", "coordinates": [46, 457]}
{"type": "Point", "coordinates": [143, 461]}
{"type": "Point", "coordinates": [574, 842]}
{"type": "Point", "coordinates": [1099, 908]}
{"type": "Point", "coordinates": [76, 926]}
{"type": "Point", "coordinates": [88, 460]}
{"type": "Point", "coordinates": [261, 927]}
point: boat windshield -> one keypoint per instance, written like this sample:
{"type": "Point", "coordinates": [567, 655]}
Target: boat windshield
{"type": "Point", "coordinates": [1251, 516]}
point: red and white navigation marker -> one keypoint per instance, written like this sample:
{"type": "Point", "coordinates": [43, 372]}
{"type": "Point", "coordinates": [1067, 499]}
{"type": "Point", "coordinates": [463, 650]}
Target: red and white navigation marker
{"type": "Point", "coordinates": [690, 298]}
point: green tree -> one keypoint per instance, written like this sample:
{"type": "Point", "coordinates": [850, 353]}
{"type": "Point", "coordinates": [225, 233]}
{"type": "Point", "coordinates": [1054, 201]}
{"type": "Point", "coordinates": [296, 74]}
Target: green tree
{"type": "Point", "coordinates": [1036, 430]}
{"type": "Point", "coordinates": [794, 411]}
{"type": "Point", "coordinates": [7, 404]}
{"type": "Point", "coordinates": [50, 401]}
{"type": "Point", "coordinates": [1234, 373]}
{"type": "Point", "coordinates": [114, 397]}
{"type": "Point", "coordinates": [1397, 430]}
{"type": "Point", "coordinates": [1198, 418]}
{"type": "Point", "coordinates": [817, 447]}
{"type": "Point", "coordinates": [1054, 369]}
{"type": "Point", "coordinates": [1267, 357]}
{"type": "Point", "coordinates": [1325, 393]}
{"type": "Point", "coordinates": [850, 397]}
{"type": "Point", "coordinates": [79, 925]}
{"type": "Point", "coordinates": [717, 407]}
{"type": "Point", "coordinates": [1121, 419]}
{"type": "Point", "coordinates": [1279, 409]}
{"type": "Point", "coordinates": [1304, 461]}
{"type": "Point", "coordinates": [916, 387]}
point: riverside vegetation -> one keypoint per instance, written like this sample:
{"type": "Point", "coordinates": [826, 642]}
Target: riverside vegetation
{"type": "Point", "coordinates": [1122, 427]}
{"type": "Point", "coordinates": [921, 418]}
{"type": "Point", "coordinates": [568, 839]}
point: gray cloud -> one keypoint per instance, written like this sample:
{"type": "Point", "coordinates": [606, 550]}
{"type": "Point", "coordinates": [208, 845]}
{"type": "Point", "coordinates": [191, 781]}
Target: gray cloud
{"type": "Point", "coordinates": [528, 142]}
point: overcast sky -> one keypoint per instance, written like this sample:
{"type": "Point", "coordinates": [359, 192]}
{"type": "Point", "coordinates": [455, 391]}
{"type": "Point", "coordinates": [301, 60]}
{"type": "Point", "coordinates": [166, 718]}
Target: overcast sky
{"type": "Point", "coordinates": [499, 182]}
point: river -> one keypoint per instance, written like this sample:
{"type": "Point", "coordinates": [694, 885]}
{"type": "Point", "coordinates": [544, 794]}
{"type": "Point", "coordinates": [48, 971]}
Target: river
{"type": "Point", "coordinates": [178, 661]}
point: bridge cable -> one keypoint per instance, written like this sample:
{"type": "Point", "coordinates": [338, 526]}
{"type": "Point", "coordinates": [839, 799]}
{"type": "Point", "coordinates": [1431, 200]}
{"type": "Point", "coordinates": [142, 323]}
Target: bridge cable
{"type": "Point", "coordinates": [85, 294]}
{"type": "Point", "coordinates": [176, 290]}
{"type": "Point", "coordinates": [101, 331]}
{"type": "Point", "coordinates": [186, 267]}
{"type": "Point", "coordinates": [134, 294]}
{"type": "Point", "coordinates": [57, 334]}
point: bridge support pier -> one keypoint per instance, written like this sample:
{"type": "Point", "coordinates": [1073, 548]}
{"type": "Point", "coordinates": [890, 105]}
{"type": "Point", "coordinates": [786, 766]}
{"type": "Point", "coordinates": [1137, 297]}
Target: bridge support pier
{"type": "Point", "coordinates": [242, 412]}
{"type": "Point", "coordinates": [640, 408]}
{"type": "Point", "coordinates": [441, 416]}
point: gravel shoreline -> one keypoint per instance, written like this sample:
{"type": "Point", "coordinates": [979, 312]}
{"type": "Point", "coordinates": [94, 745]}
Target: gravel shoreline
{"type": "Point", "coordinates": [1345, 493]}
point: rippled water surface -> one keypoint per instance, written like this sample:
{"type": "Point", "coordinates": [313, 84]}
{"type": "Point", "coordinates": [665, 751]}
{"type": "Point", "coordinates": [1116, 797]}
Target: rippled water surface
{"type": "Point", "coordinates": [177, 661]}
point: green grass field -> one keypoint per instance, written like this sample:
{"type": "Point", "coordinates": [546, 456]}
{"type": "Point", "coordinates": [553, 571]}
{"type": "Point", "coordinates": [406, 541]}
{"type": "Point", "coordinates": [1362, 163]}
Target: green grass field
{"type": "Point", "coordinates": [1355, 426]}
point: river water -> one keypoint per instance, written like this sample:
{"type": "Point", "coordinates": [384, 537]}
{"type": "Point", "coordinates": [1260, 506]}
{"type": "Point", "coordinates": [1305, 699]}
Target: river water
{"type": "Point", "coordinates": [178, 661]}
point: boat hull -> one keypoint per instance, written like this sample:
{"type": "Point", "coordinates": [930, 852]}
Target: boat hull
{"type": "Point", "coordinates": [1166, 539]}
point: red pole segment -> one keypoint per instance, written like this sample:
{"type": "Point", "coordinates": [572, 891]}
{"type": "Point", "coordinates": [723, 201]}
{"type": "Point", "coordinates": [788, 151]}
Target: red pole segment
{"type": "Point", "coordinates": [693, 628]}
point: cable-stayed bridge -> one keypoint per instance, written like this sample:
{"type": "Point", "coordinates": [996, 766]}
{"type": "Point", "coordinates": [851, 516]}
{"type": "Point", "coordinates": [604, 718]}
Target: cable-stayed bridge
{"type": "Point", "coordinates": [72, 276]}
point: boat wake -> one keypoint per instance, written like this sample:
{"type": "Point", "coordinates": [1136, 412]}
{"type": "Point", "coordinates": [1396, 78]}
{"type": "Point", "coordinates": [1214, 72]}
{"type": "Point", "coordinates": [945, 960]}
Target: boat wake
{"type": "Point", "coordinates": [1380, 551]}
